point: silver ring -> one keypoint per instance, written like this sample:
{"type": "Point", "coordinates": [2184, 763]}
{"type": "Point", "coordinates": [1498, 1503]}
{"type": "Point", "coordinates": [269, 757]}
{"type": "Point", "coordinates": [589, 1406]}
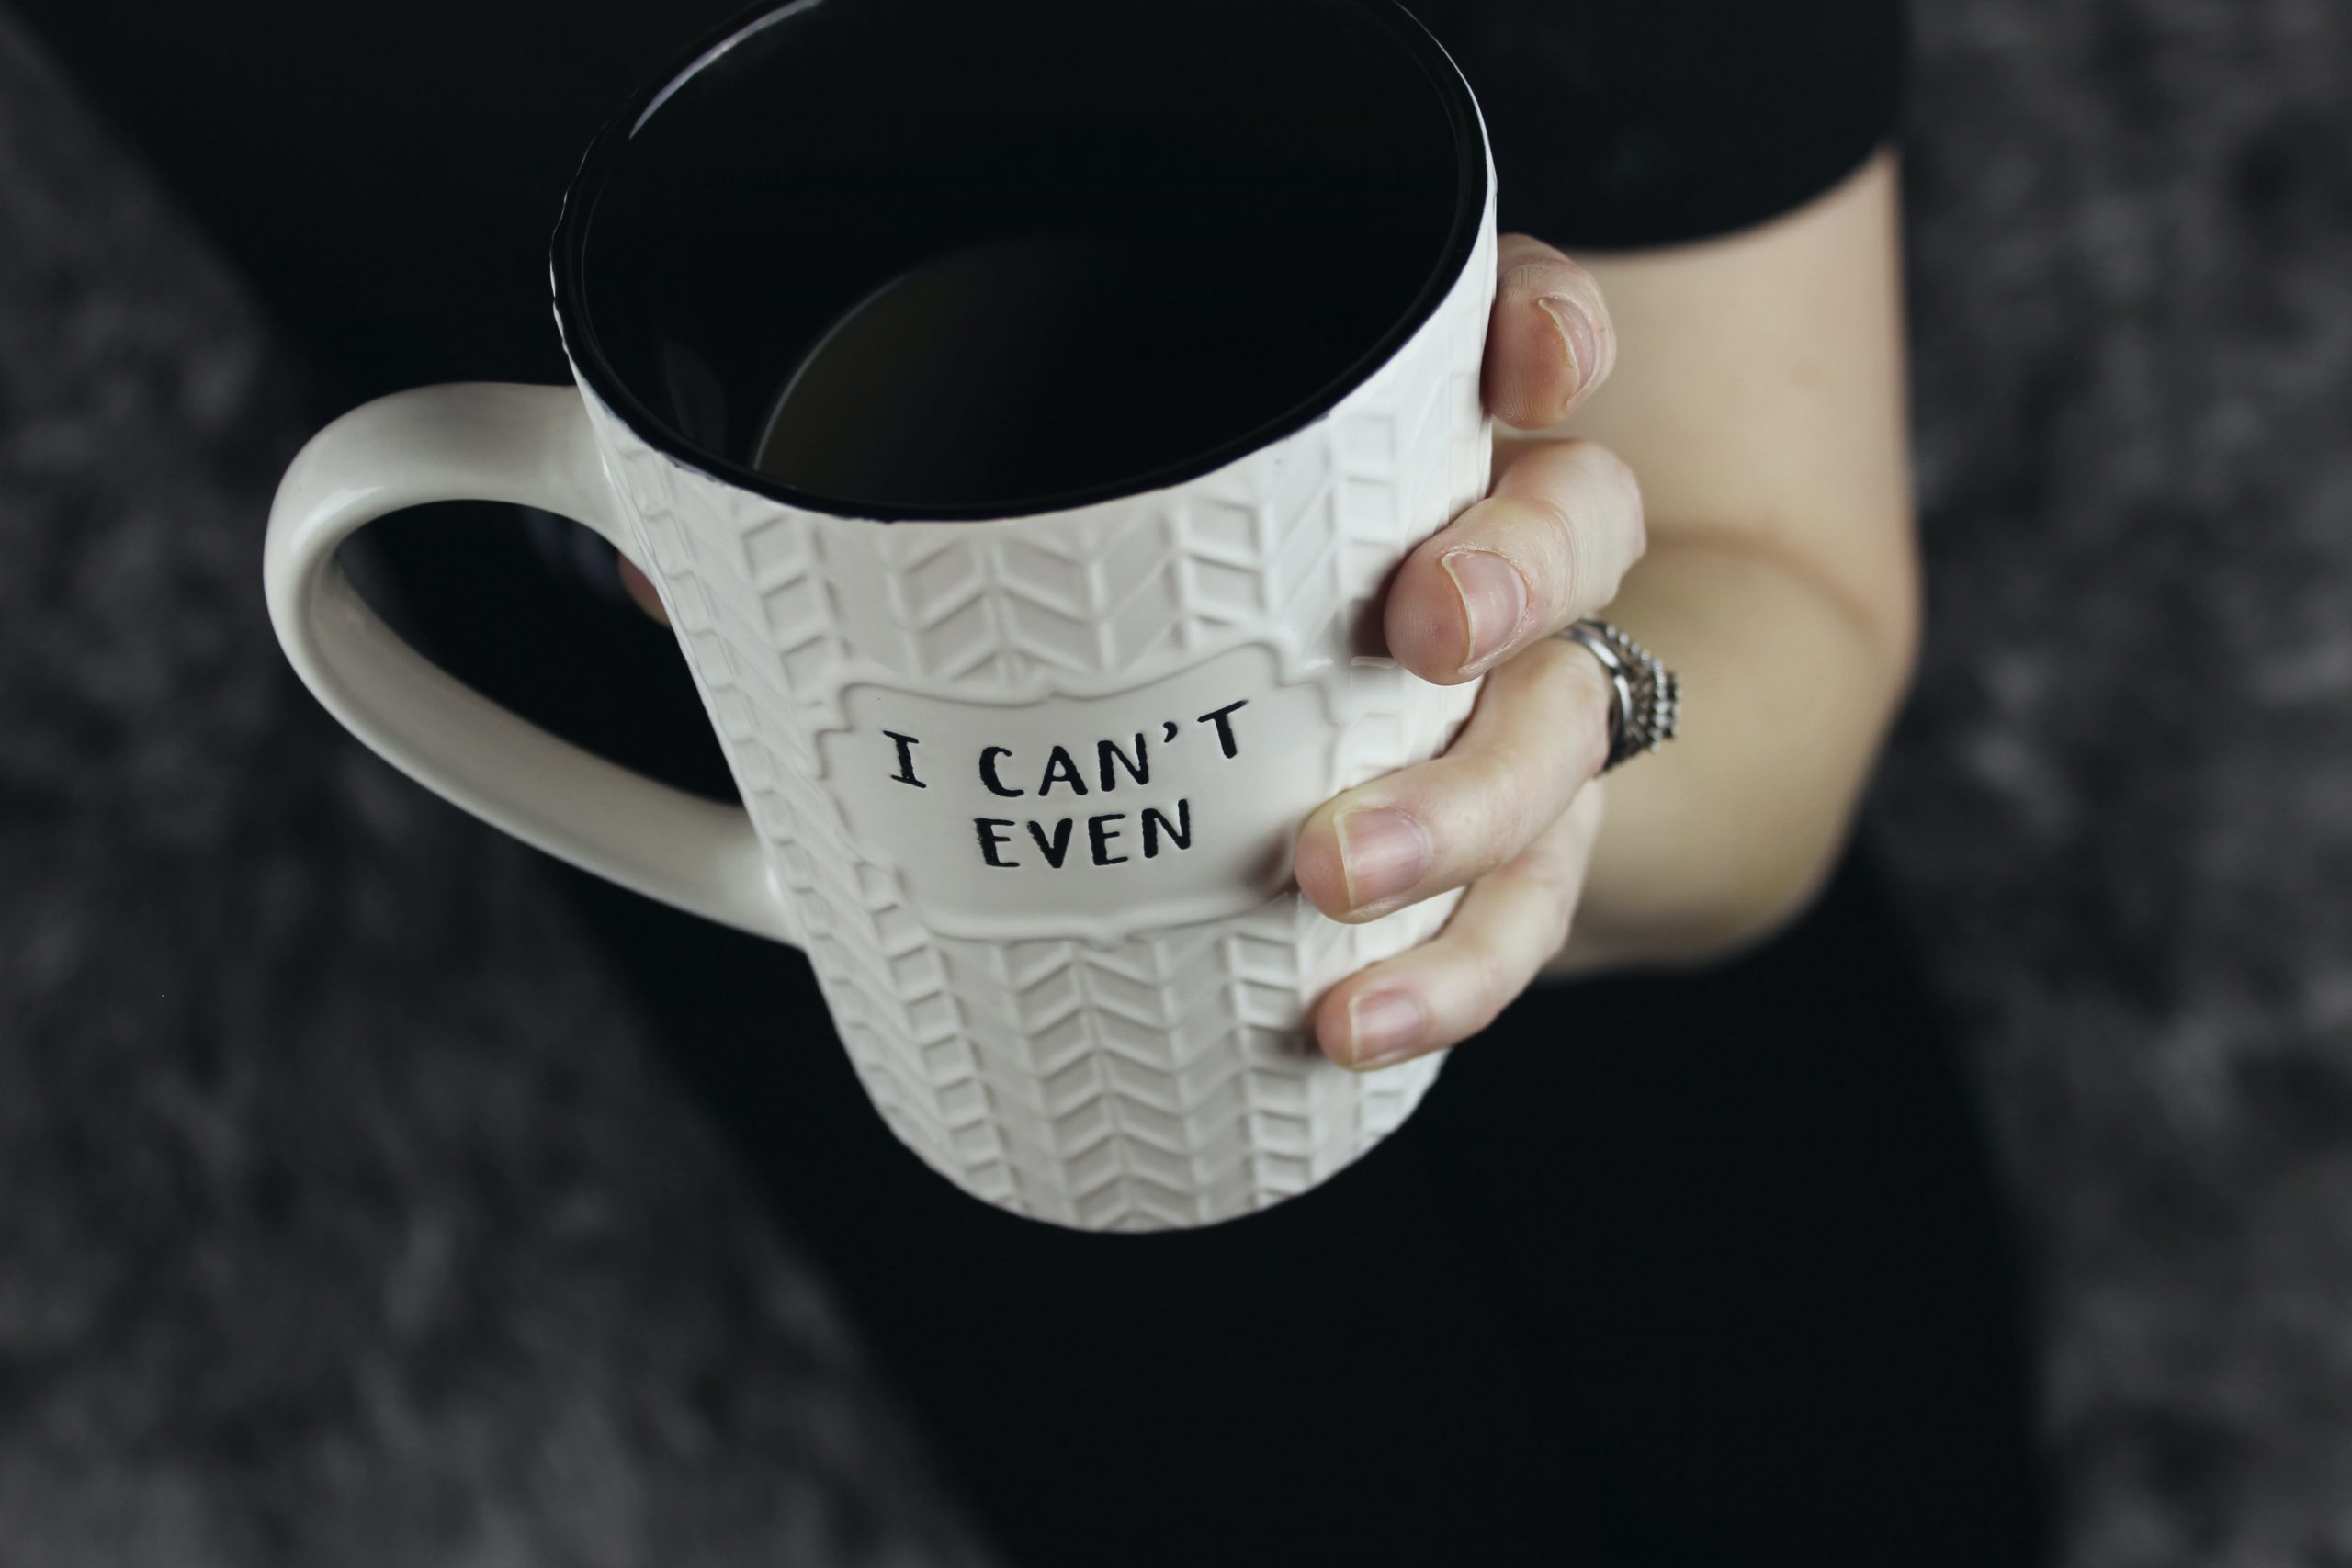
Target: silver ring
{"type": "Point", "coordinates": [1646, 697]}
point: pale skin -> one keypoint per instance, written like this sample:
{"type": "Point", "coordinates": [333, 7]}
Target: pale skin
{"type": "Point", "coordinates": [1707, 443]}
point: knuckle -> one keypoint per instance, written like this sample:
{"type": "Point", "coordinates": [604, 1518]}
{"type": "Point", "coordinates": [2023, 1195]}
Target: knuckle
{"type": "Point", "coordinates": [1617, 533]}
{"type": "Point", "coordinates": [1494, 981]}
{"type": "Point", "coordinates": [1539, 735]}
{"type": "Point", "coordinates": [1499, 816]}
{"type": "Point", "coordinates": [1532, 771]}
{"type": "Point", "coordinates": [1552, 883]}
{"type": "Point", "coordinates": [1577, 522]}
{"type": "Point", "coordinates": [1552, 549]}
{"type": "Point", "coordinates": [1513, 245]}
{"type": "Point", "coordinates": [1627, 484]}
{"type": "Point", "coordinates": [1601, 463]}
{"type": "Point", "coordinates": [1531, 268]}
{"type": "Point", "coordinates": [1524, 279]}
{"type": "Point", "coordinates": [1534, 794]}
{"type": "Point", "coordinates": [1574, 702]}
{"type": "Point", "coordinates": [1477, 835]}
{"type": "Point", "coordinates": [1558, 887]}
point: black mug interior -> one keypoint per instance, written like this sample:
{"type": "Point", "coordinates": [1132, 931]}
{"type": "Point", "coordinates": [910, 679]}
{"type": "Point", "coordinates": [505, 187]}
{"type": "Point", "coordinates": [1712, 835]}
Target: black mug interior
{"type": "Point", "coordinates": [975, 258]}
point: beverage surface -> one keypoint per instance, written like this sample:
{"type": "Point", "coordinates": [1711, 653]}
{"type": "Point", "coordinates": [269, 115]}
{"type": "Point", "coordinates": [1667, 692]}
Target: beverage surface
{"type": "Point", "coordinates": [1021, 367]}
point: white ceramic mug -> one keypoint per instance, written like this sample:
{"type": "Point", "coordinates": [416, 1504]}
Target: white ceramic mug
{"type": "Point", "coordinates": [1024, 787]}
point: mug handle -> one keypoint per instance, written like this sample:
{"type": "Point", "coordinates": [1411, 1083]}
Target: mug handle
{"type": "Point", "coordinates": [531, 445]}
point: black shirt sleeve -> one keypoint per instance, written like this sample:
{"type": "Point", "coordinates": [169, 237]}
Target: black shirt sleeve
{"type": "Point", "coordinates": [1618, 124]}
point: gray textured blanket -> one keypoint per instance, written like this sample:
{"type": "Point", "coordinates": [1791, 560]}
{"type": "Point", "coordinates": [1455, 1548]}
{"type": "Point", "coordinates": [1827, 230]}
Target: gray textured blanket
{"type": "Point", "coordinates": [2123, 799]}
{"type": "Point", "coordinates": [344, 1218]}
{"type": "Point", "coordinates": [304, 1259]}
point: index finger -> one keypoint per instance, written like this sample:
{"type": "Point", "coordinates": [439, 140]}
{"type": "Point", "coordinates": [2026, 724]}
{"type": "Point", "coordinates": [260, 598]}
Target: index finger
{"type": "Point", "coordinates": [1549, 340]}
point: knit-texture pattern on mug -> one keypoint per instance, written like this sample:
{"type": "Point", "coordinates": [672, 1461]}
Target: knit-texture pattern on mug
{"type": "Point", "coordinates": [1160, 1079]}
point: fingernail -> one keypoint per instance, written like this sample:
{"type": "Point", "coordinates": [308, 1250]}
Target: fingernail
{"type": "Point", "coordinates": [1384, 1027]}
{"type": "Point", "coordinates": [1494, 601]}
{"type": "Point", "coordinates": [1381, 853]}
{"type": "Point", "coordinates": [1577, 332]}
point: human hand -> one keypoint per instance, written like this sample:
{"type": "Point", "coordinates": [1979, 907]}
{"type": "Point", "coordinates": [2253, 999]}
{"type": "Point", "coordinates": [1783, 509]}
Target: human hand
{"type": "Point", "coordinates": [1511, 810]}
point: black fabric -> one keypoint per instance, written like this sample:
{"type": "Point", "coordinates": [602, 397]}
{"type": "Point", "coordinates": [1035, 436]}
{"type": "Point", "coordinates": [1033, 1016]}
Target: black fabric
{"type": "Point", "coordinates": [1699, 1269]}
{"type": "Point", "coordinates": [1692, 1270]}
{"type": "Point", "coordinates": [387, 171]}
{"type": "Point", "coordinates": [1623, 123]}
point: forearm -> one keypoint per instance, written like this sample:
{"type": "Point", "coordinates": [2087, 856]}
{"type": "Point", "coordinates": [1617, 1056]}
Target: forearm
{"type": "Point", "coordinates": [1716, 840]}
{"type": "Point", "coordinates": [1759, 398]}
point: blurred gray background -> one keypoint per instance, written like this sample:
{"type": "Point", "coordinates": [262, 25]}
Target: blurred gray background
{"type": "Point", "coordinates": [2122, 799]}
{"type": "Point", "coordinates": [345, 1217]}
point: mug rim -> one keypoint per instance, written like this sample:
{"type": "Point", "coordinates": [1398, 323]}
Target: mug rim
{"type": "Point", "coordinates": [567, 262]}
